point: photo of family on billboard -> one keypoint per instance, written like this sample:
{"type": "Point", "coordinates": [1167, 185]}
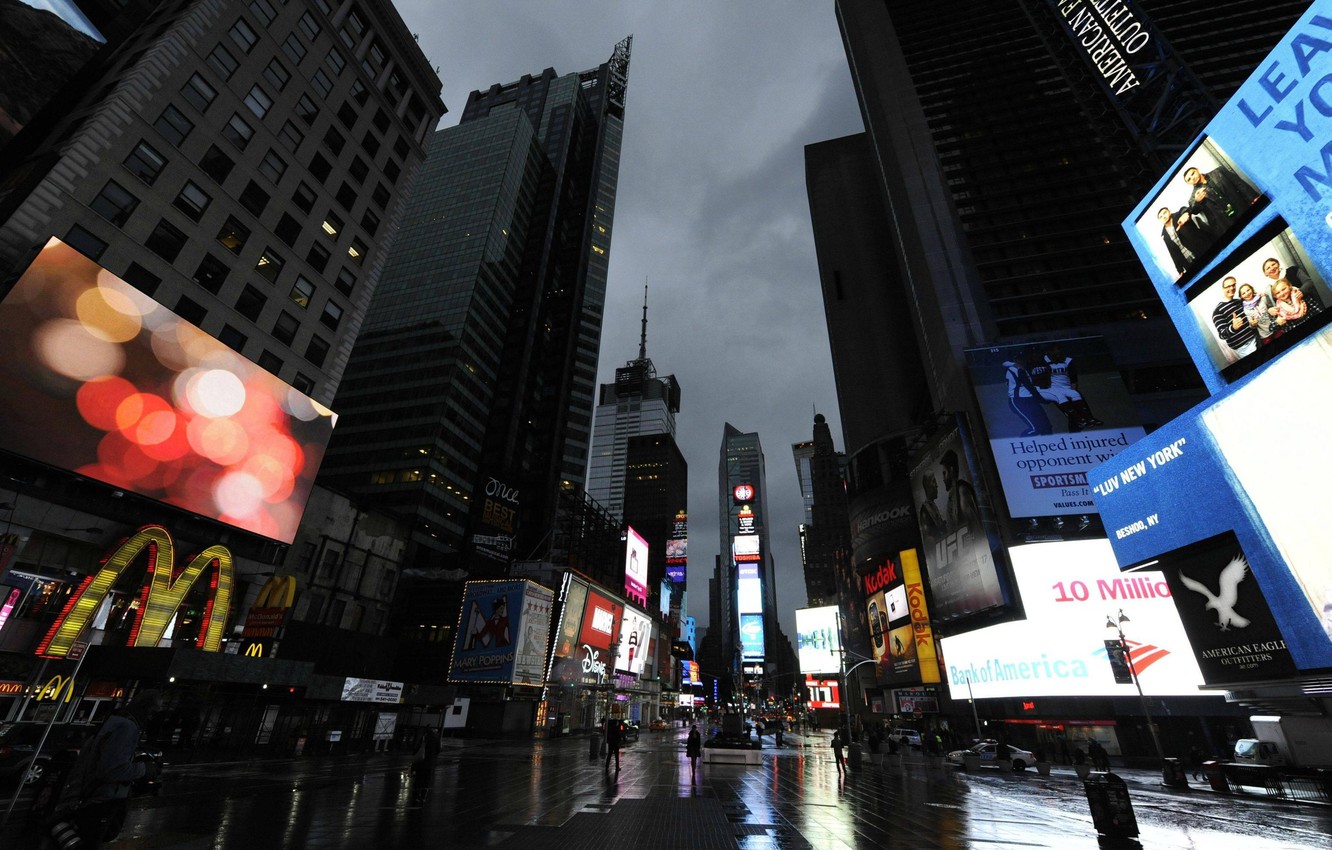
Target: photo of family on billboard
{"type": "Point", "coordinates": [1206, 198]}
{"type": "Point", "coordinates": [1262, 300]}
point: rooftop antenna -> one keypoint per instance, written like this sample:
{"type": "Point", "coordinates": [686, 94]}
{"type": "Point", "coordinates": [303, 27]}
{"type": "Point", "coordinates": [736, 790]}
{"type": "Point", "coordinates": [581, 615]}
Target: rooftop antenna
{"type": "Point", "coordinates": [642, 341]}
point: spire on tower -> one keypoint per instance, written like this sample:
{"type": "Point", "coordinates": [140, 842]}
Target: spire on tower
{"type": "Point", "coordinates": [642, 341]}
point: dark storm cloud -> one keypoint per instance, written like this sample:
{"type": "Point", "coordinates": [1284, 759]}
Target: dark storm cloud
{"type": "Point", "coordinates": [711, 211]}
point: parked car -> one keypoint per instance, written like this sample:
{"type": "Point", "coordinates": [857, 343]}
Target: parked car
{"type": "Point", "coordinates": [19, 759]}
{"type": "Point", "coordinates": [912, 736]}
{"type": "Point", "coordinates": [659, 725]}
{"type": "Point", "coordinates": [629, 734]}
{"type": "Point", "coordinates": [1017, 758]}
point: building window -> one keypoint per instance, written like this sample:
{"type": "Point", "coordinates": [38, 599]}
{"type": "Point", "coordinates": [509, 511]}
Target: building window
{"type": "Point", "coordinates": [303, 383]}
{"type": "Point", "coordinates": [251, 304]}
{"type": "Point", "coordinates": [270, 362]}
{"type": "Point", "coordinates": [233, 339]}
{"type": "Point", "coordinates": [334, 140]}
{"type": "Point", "coordinates": [263, 11]}
{"type": "Point", "coordinates": [233, 235]}
{"type": "Point", "coordinates": [373, 61]}
{"type": "Point", "coordinates": [284, 329]}
{"type": "Point", "coordinates": [273, 166]}
{"type": "Point", "coordinates": [320, 167]}
{"type": "Point", "coordinates": [357, 251]}
{"type": "Point", "coordinates": [400, 148]}
{"type": "Point", "coordinates": [254, 198]}
{"type": "Point", "coordinates": [306, 109]}
{"type": "Point", "coordinates": [346, 282]}
{"type": "Point", "coordinates": [270, 264]}
{"type": "Point", "coordinates": [359, 92]}
{"type": "Point", "coordinates": [290, 136]}
{"type": "Point", "coordinates": [303, 197]}
{"type": "Point", "coordinates": [258, 101]}
{"type": "Point", "coordinates": [358, 169]}
{"type": "Point", "coordinates": [381, 196]}
{"type": "Point", "coordinates": [173, 125]}
{"type": "Point", "coordinates": [381, 121]}
{"type": "Point", "coordinates": [166, 241]}
{"type": "Point", "coordinates": [277, 75]}
{"type": "Point", "coordinates": [192, 201]}
{"type": "Point", "coordinates": [238, 132]}
{"type": "Point", "coordinates": [216, 164]}
{"type": "Point", "coordinates": [222, 62]}
{"type": "Point", "coordinates": [199, 94]}
{"type": "Point", "coordinates": [392, 170]}
{"type": "Point", "coordinates": [309, 26]}
{"type": "Point", "coordinates": [190, 310]}
{"type": "Point", "coordinates": [317, 351]}
{"type": "Point", "coordinates": [211, 273]}
{"type": "Point", "coordinates": [288, 229]}
{"type": "Point", "coordinates": [370, 143]}
{"type": "Point", "coordinates": [301, 292]}
{"type": "Point", "coordinates": [318, 257]}
{"type": "Point", "coordinates": [141, 279]}
{"type": "Point", "coordinates": [322, 84]}
{"type": "Point", "coordinates": [331, 316]}
{"type": "Point", "coordinates": [347, 114]}
{"type": "Point", "coordinates": [83, 241]}
{"type": "Point", "coordinates": [293, 48]}
{"type": "Point", "coordinates": [145, 163]}
{"type": "Point", "coordinates": [335, 62]}
{"type": "Point", "coordinates": [332, 225]}
{"type": "Point", "coordinates": [346, 196]}
{"type": "Point", "coordinates": [370, 222]}
{"type": "Point", "coordinates": [114, 203]}
{"type": "Point", "coordinates": [242, 35]}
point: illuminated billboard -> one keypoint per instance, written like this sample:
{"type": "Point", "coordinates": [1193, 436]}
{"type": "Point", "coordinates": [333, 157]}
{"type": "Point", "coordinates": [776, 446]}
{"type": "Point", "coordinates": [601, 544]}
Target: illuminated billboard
{"type": "Point", "coordinates": [571, 617]}
{"type": "Point", "coordinates": [677, 549]}
{"type": "Point", "coordinates": [1263, 298]}
{"type": "Point", "coordinates": [635, 632]}
{"type": "Point", "coordinates": [601, 622]}
{"type": "Point", "coordinates": [635, 566]}
{"type": "Point", "coordinates": [955, 530]}
{"type": "Point", "coordinates": [745, 549]}
{"type": "Point", "coordinates": [1052, 410]}
{"type": "Point", "coordinates": [751, 637]}
{"type": "Point", "coordinates": [502, 633]}
{"type": "Point", "coordinates": [818, 645]}
{"type": "Point", "coordinates": [823, 693]}
{"type": "Point", "coordinates": [104, 381]}
{"type": "Point", "coordinates": [1069, 588]}
{"type": "Point", "coordinates": [922, 633]}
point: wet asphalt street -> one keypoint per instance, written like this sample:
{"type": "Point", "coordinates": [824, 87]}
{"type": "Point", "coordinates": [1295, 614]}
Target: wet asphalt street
{"type": "Point", "coordinates": [536, 795]}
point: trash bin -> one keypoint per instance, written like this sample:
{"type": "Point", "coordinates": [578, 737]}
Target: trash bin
{"type": "Point", "coordinates": [594, 750]}
{"type": "Point", "coordinates": [853, 756]}
{"type": "Point", "coordinates": [1111, 808]}
{"type": "Point", "coordinates": [1216, 776]}
{"type": "Point", "coordinates": [1173, 774]}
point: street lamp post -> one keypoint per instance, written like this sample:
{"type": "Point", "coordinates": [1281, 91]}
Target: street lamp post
{"type": "Point", "coordinates": [1117, 623]}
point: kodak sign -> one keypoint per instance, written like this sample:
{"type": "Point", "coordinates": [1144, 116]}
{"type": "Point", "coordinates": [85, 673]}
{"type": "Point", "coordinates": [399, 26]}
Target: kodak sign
{"type": "Point", "coordinates": [920, 618]}
{"type": "Point", "coordinates": [164, 589]}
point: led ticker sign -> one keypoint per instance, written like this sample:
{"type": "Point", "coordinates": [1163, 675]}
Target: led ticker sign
{"type": "Point", "coordinates": [106, 382]}
{"type": "Point", "coordinates": [163, 591]}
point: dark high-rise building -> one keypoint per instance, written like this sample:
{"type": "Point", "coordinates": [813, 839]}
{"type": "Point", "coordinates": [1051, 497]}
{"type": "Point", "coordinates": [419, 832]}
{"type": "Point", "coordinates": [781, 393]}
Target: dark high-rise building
{"type": "Point", "coordinates": [827, 548]}
{"type": "Point", "coordinates": [467, 403]}
{"type": "Point", "coordinates": [656, 491]}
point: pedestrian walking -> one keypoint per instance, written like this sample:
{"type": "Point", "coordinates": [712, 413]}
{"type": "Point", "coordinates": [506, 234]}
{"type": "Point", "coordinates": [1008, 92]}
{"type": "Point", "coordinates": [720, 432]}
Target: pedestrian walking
{"type": "Point", "coordinates": [423, 766]}
{"type": "Point", "coordinates": [780, 732]}
{"type": "Point", "coordinates": [614, 735]}
{"type": "Point", "coordinates": [1196, 763]}
{"type": "Point", "coordinates": [693, 749]}
{"type": "Point", "coordinates": [93, 801]}
{"type": "Point", "coordinates": [837, 744]}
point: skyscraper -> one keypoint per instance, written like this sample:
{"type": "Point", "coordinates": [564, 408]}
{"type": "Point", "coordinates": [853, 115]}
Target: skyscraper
{"type": "Point", "coordinates": [638, 403]}
{"type": "Point", "coordinates": [242, 163]}
{"type": "Point", "coordinates": [827, 536]}
{"type": "Point", "coordinates": [467, 404]}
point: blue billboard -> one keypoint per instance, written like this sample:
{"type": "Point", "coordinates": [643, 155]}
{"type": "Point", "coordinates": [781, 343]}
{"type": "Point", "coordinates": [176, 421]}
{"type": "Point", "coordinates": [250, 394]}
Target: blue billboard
{"type": "Point", "coordinates": [485, 648]}
{"type": "Point", "coordinates": [751, 637]}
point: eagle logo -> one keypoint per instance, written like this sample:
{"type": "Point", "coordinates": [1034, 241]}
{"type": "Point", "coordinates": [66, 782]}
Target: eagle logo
{"type": "Point", "coordinates": [1227, 593]}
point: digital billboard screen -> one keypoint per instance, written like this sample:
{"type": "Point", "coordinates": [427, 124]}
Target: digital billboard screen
{"type": "Point", "coordinates": [601, 621]}
{"type": "Point", "coordinates": [958, 552]}
{"type": "Point", "coordinates": [751, 637]}
{"type": "Point", "coordinates": [106, 382]}
{"type": "Point", "coordinates": [745, 549]}
{"type": "Point", "coordinates": [1263, 298]}
{"type": "Point", "coordinates": [635, 630]}
{"type": "Point", "coordinates": [819, 647]}
{"type": "Point", "coordinates": [823, 693]}
{"type": "Point", "coordinates": [485, 648]}
{"type": "Point", "coordinates": [1204, 199]}
{"type": "Point", "coordinates": [677, 549]}
{"type": "Point", "coordinates": [1068, 588]}
{"type": "Point", "coordinates": [571, 616]}
{"type": "Point", "coordinates": [1052, 410]}
{"type": "Point", "coordinates": [635, 566]}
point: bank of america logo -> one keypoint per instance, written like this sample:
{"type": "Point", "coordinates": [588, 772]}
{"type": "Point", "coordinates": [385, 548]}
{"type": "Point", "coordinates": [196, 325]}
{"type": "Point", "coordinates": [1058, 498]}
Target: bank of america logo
{"type": "Point", "coordinates": [1142, 655]}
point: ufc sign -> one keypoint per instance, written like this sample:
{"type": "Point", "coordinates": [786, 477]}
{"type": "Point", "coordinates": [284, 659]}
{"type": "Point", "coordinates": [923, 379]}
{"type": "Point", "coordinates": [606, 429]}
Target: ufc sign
{"type": "Point", "coordinates": [164, 589]}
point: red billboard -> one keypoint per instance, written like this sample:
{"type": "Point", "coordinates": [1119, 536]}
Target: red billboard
{"type": "Point", "coordinates": [601, 621]}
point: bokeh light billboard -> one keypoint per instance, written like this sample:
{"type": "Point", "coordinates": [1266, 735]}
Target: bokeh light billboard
{"type": "Point", "coordinates": [107, 383]}
{"type": "Point", "coordinates": [818, 638]}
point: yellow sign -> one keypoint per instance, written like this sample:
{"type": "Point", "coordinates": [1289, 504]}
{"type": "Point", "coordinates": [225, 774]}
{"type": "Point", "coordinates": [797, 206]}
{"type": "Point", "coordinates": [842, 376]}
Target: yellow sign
{"type": "Point", "coordinates": [51, 690]}
{"type": "Point", "coordinates": [165, 590]}
{"type": "Point", "coordinates": [920, 618]}
{"type": "Point", "coordinates": [254, 650]}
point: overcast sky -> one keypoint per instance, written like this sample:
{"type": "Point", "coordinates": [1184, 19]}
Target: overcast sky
{"type": "Point", "coordinates": [711, 211]}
